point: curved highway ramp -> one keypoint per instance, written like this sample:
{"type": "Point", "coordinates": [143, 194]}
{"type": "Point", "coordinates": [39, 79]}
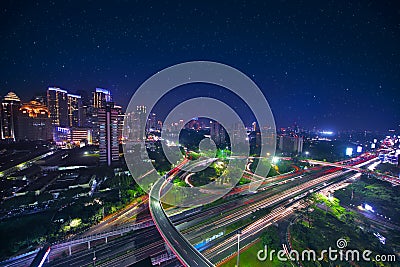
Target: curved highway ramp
{"type": "Point", "coordinates": [184, 251]}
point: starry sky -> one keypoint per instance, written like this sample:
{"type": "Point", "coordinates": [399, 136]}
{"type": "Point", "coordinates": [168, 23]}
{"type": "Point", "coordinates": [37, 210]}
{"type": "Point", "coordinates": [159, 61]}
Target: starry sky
{"type": "Point", "coordinates": [324, 64]}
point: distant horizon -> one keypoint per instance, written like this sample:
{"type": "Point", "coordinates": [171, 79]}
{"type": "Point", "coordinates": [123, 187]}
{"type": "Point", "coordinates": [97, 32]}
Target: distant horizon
{"type": "Point", "coordinates": [248, 123]}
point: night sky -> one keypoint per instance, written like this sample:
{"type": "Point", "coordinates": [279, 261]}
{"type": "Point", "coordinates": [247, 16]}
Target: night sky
{"type": "Point", "coordinates": [326, 64]}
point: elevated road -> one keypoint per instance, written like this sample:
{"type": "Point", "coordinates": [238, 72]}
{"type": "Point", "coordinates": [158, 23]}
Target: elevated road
{"type": "Point", "coordinates": [388, 178]}
{"type": "Point", "coordinates": [185, 252]}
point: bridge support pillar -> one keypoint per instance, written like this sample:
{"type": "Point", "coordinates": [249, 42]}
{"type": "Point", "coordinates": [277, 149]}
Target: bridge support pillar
{"type": "Point", "coordinates": [69, 250]}
{"type": "Point", "coordinates": [88, 244]}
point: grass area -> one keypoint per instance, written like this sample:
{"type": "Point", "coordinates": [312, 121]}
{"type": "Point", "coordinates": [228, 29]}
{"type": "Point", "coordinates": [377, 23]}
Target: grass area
{"type": "Point", "coordinates": [388, 168]}
{"type": "Point", "coordinates": [381, 195]}
{"type": "Point", "coordinates": [334, 207]}
{"type": "Point", "coordinates": [319, 229]}
{"type": "Point", "coordinates": [248, 258]}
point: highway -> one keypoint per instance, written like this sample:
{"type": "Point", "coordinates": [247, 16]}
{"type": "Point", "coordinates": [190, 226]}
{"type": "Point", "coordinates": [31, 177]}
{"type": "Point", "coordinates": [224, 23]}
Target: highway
{"type": "Point", "coordinates": [128, 249]}
{"type": "Point", "coordinates": [185, 252]}
{"type": "Point", "coordinates": [388, 178]}
{"type": "Point", "coordinates": [224, 248]}
{"type": "Point", "coordinates": [279, 193]}
{"type": "Point", "coordinates": [126, 215]}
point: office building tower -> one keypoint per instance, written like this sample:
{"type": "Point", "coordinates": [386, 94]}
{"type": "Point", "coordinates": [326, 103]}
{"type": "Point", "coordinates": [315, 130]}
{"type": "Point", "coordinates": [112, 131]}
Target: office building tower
{"type": "Point", "coordinates": [87, 109]}
{"type": "Point", "coordinates": [75, 111]}
{"type": "Point", "coordinates": [108, 133]}
{"type": "Point", "coordinates": [254, 126]}
{"type": "Point", "coordinates": [159, 125]}
{"type": "Point", "coordinates": [101, 97]}
{"type": "Point", "coordinates": [151, 122]}
{"type": "Point", "coordinates": [57, 103]}
{"type": "Point", "coordinates": [34, 122]}
{"type": "Point", "coordinates": [136, 123]}
{"type": "Point", "coordinates": [9, 110]}
{"type": "Point", "coordinates": [291, 144]}
{"type": "Point", "coordinates": [121, 117]}
{"type": "Point", "coordinates": [217, 133]}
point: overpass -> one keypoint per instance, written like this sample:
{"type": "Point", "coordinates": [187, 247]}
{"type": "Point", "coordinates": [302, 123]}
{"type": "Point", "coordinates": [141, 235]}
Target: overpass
{"type": "Point", "coordinates": [391, 179]}
{"type": "Point", "coordinates": [184, 251]}
{"type": "Point", "coordinates": [105, 235]}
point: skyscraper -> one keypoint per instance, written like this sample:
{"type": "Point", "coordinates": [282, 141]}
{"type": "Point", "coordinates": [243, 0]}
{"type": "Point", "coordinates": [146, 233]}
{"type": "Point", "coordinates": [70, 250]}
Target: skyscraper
{"type": "Point", "coordinates": [75, 111]}
{"type": "Point", "coordinates": [136, 123]}
{"type": "Point", "coordinates": [291, 144]}
{"type": "Point", "coordinates": [151, 122]}
{"type": "Point", "coordinates": [9, 110]}
{"type": "Point", "coordinates": [57, 103]}
{"type": "Point", "coordinates": [121, 117]}
{"type": "Point", "coordinates": [101, 97]}
{"type": "Point", "coordinates": [108, 133]}
{"type": "Point", "coordinates": [217, 133]}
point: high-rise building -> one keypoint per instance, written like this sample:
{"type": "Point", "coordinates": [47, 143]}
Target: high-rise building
{"type": "Point", "coordinates": [99, 100]}
{"type": "Point", "coordinates": [75, 111]}
{"type": "Point", "coordinates": [291, 144]}
{"type": "Point", "coordinates": [57, 103]}
{"type": "Point", "coordinates": [135, 123]}
{"type": "Point", "coordinates": [87, 108]}
{"type": "Point", "coordinates": [217, 133]}
{"type": "Point", "coordinates": [101, 97]}
{"type": "Point", "coordinates": [34, 122]}
{"type": "Point", "coordinates": [151, 122]}
{"type": "Point", "coordinates": [9, 110]}
{"type": "Point", "coordinates": [108, 133]}
{"type": "Point", "coordinates": [121, 117]}
{"type": "Point", "coordinates": [254, 126]}
{"type": "Point", "coordinates": [159, 125]}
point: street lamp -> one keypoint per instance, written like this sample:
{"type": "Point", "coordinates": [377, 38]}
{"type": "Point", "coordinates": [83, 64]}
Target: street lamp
{"type": "Point", "coordinates": [94, 258]}
{"type": "Point", "coordinates": [238, 247]}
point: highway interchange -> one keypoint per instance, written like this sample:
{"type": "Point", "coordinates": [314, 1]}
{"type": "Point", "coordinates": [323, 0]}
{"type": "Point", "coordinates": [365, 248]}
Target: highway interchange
{"type": "Point", "coordinates": [276, 198]}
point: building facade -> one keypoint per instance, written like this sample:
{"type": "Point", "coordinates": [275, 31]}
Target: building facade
{"type": "Point", "coordinates": [291, 144]}
{"type": "Point", "coordinates": [57, 103]}
{"type": "Point", "coordinates": [75, 111]}
{"type": "Point", "coordinates": [81, 136]}
{"type": "Point", "coordinates": [217, 133]}
{"type": "Point", "coordinates": [9, 115]}
{"type": "Point", "coordinates": [108, 133]}
{"type": "Point", "coordinates": [101, 97]}
{"type": "Point", "coordinates": [34, 122]}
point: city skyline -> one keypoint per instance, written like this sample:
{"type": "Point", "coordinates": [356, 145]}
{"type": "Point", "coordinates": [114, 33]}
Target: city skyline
{"type": "Point", "coordinates": [249, 119]}
{"type": "Point", "coordinates": [318, 64]}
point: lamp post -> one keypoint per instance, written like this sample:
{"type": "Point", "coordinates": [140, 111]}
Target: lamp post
{"type": "Point", "coordinates": [94, 258]}
{"type": "Point", "coordinates": [238, 247]}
